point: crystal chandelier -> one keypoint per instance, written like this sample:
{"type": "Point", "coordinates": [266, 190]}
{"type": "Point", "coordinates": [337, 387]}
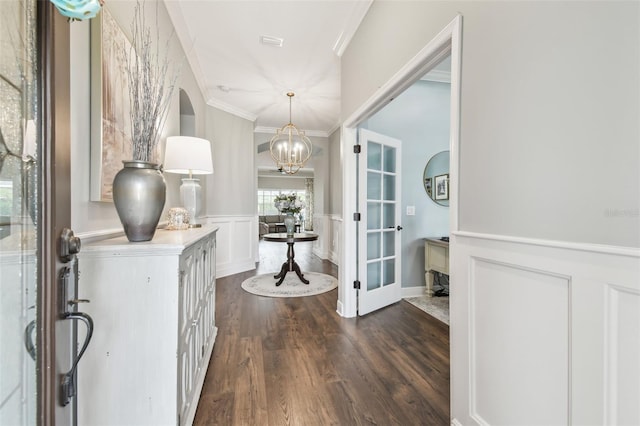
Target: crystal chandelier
{"type": "Point", "coordinates": [290, 148]}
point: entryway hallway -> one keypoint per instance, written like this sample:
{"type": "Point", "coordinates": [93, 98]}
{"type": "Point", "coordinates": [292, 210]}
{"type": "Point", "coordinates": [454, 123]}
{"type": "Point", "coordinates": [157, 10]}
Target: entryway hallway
{"type": "Point", "coordinates": [295, 361]}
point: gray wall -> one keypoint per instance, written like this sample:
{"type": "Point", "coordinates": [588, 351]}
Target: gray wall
{"type": "Point", "coordinates": [419, 117]}
{"type": "Point", "coordinates": [282, 182]}
{"type": "Point", "coordinates": [335, 175]}
{"type": "Point", "coordinates": [549, 110]}
{"type": "Point", "coordinates": [231, 189]}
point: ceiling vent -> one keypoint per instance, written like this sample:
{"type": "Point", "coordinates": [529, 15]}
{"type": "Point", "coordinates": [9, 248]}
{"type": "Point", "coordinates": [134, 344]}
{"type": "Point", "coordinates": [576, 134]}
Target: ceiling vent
{"type": "Point", "coordinates": [271, 41]}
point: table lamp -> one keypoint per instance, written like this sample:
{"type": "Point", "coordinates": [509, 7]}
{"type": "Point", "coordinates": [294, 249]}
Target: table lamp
{"type": "Point", "coordinates": [192, 156]}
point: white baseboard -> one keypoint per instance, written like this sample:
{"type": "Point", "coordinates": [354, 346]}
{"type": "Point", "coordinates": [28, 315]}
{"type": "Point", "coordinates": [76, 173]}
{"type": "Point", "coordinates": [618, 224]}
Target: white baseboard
{"type": "Point", "coordinates": [413, 291]}
{"type": "Point", "coordinates": [236, 268]}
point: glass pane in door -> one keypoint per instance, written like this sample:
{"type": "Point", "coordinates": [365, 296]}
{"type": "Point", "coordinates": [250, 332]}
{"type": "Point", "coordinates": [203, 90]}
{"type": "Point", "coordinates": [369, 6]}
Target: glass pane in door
{"type": "Point", "coordinates": [373, 215]}
{"type": "Point", "coordinates": [374, 186]}
{"type": "Point", "coordinates": [18, 203]}
{"type": "Point", "coordinates": [389, 159]}
{"type": "Point", "coordinates": [374, 275]}
{"type": "Point", "coordinates": [389, 243]}
{"type": "Point", "coordinates": [374, 156]}
{"type": "Point", "coordinates": [389, 271]}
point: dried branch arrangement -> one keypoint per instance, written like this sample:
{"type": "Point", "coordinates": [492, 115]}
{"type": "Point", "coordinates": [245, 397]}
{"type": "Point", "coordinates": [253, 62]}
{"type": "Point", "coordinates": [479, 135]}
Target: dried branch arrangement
{"type": "Point", "coordinates": [151, 80]}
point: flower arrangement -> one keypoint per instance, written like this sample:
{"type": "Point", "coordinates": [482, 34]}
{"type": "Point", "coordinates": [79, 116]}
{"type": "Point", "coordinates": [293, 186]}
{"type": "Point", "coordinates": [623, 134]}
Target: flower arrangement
{"type": "Point", "coordinates": [288, 203]}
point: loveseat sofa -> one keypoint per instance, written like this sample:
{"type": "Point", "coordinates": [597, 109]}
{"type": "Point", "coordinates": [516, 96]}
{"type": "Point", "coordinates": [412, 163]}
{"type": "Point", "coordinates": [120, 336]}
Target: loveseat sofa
{"type": "Point", "coordinates": [267, 224]}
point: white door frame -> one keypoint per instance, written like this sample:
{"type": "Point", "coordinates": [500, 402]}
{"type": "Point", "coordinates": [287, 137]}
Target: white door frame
{"type": "Point", "coordinates": [448, 41]}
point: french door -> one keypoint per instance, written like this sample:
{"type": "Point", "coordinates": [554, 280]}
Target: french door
{"type": "Point", "coordinates": [379, 242]}
{"type": "Point", "coordinates": [36, 346]}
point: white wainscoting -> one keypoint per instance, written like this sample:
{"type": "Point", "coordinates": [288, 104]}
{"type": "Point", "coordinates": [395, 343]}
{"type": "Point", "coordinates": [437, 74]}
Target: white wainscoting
{"type": "Point", "coordinates": [329, 230]}
{"type": "Point", "coordinates": [237, 243]}
{"type": "Point", "coordinates": [543, 332]}
{"type": "Point", "coordinates": [321, 227]}
{"type": "Point", "coordinates": [335, 239]}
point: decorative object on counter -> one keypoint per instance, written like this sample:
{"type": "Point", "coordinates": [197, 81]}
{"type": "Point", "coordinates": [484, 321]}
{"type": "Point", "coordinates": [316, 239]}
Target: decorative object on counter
{"type": "Point", "coordinates": [178, 219]}
{"type": "Point", "coordinates": [77, 10]}
{"type": "Point", "coordinates": [139, 189]}
{"type": "Point", "coordinates": [289, 204]}
{"type": "Point", "coordinates": [192, 156]}
{"type": "Point", "coordinates": [139, 192]}
{"type": "Point", "coordinates": [290, 148]}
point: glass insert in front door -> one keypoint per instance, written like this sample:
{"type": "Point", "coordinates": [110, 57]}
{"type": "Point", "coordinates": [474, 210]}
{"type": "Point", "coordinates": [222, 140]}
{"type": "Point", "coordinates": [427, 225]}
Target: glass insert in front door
{"type": "Point", "coordinates": [18, 203]}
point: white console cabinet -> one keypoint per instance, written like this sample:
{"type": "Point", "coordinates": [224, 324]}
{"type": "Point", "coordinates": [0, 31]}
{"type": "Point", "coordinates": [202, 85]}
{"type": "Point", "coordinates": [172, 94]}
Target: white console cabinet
{"type": "Point", "coordinates": [153, 306]}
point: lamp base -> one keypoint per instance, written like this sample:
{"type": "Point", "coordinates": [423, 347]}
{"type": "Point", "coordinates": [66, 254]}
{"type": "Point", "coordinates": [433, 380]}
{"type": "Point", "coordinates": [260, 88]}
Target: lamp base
{"type": "Point", "coordinates": [190, 194]}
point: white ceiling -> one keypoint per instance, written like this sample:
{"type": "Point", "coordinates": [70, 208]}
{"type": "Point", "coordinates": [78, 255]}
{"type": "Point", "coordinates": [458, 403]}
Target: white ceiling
{"type": "Point", "coordinates": [239, 74]}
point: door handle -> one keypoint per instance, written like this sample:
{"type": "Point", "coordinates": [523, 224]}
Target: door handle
{"type": "Point", "coordinates": [399, 228]}
{"type": "Point", "coordinates": [68, 379]}
{"type": "Point", "coordinates": [68, 385]}
{"type": "Point", "coordinates": [28, 339]}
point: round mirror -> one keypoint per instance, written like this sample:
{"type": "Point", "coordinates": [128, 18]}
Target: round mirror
{"type": "Point", "coordinates": [436, 178]}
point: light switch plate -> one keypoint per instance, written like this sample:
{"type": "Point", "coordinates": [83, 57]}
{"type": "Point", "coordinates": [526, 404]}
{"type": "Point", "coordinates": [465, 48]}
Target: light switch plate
{"type": "Point", "coordinates": [411, 210]}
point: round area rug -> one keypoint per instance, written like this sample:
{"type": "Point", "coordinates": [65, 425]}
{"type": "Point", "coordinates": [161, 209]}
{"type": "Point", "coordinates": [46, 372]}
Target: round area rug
{"type": "Point", "coordinates": [265, 285]}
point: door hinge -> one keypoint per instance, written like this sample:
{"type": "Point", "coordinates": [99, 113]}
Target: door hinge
{"type": "Point", "coordinates": [356, 217]}
{"type": "Point", "coordinates": [357, 149]}
{"type": "Point", "coordinates": [356, 284]}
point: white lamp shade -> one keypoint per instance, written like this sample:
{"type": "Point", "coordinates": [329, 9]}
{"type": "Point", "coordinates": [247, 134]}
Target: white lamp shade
{"type": "Point", "coordinates": [188, 155]}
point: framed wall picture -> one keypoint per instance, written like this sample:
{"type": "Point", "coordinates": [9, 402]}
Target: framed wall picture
{"type": "Point", "coordinates": [110, 123]}
{"type": "Point", "coordinates": [428, 186]}
{"type": "Point", "coordinates": [441, 184]}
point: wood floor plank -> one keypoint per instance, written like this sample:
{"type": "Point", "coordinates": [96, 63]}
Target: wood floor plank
{"type": "Point", "coordinates": [250, 400]}
{"type": "Point", "coordinates": [295, 361]}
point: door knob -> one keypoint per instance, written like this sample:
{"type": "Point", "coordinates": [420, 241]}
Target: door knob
{"type": "Point", "coordinates": [399, 228]}
{"type": "Point", "coordinates": [69, 245]}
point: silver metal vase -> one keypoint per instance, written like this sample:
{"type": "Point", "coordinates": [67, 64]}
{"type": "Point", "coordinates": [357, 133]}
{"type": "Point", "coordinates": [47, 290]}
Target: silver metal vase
{"type": "Point", "coordinates": [139, 194]}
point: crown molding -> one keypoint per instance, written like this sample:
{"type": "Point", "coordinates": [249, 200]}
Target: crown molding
{"type": "Point", "coordinates": [273, 130]}
{"type": "Point", "coordinates": [351, 26]}
{"type": "Point", "coordinates": [438, 76]}
{"type": "Point", "coordinates": [181, 30]}
{"type": "Point", "coordinates": [231, 109]}
{"type": "Point", "coordinates": [334, 128]}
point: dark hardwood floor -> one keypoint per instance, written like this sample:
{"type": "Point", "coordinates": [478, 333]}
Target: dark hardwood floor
{"type": "Point", "coordinates": [295, 361]}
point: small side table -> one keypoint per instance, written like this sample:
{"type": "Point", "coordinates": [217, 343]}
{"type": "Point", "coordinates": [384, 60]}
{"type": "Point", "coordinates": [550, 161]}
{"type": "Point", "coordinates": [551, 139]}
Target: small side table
{"type": "Point", "coordinates": [436, 258]}
{"type": "Point", "coordinates": [290, 264]}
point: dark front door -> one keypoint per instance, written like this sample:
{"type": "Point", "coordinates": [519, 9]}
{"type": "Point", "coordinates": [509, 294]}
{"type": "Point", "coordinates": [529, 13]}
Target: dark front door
{"type": "Point", "coordinates": [36, 342]}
